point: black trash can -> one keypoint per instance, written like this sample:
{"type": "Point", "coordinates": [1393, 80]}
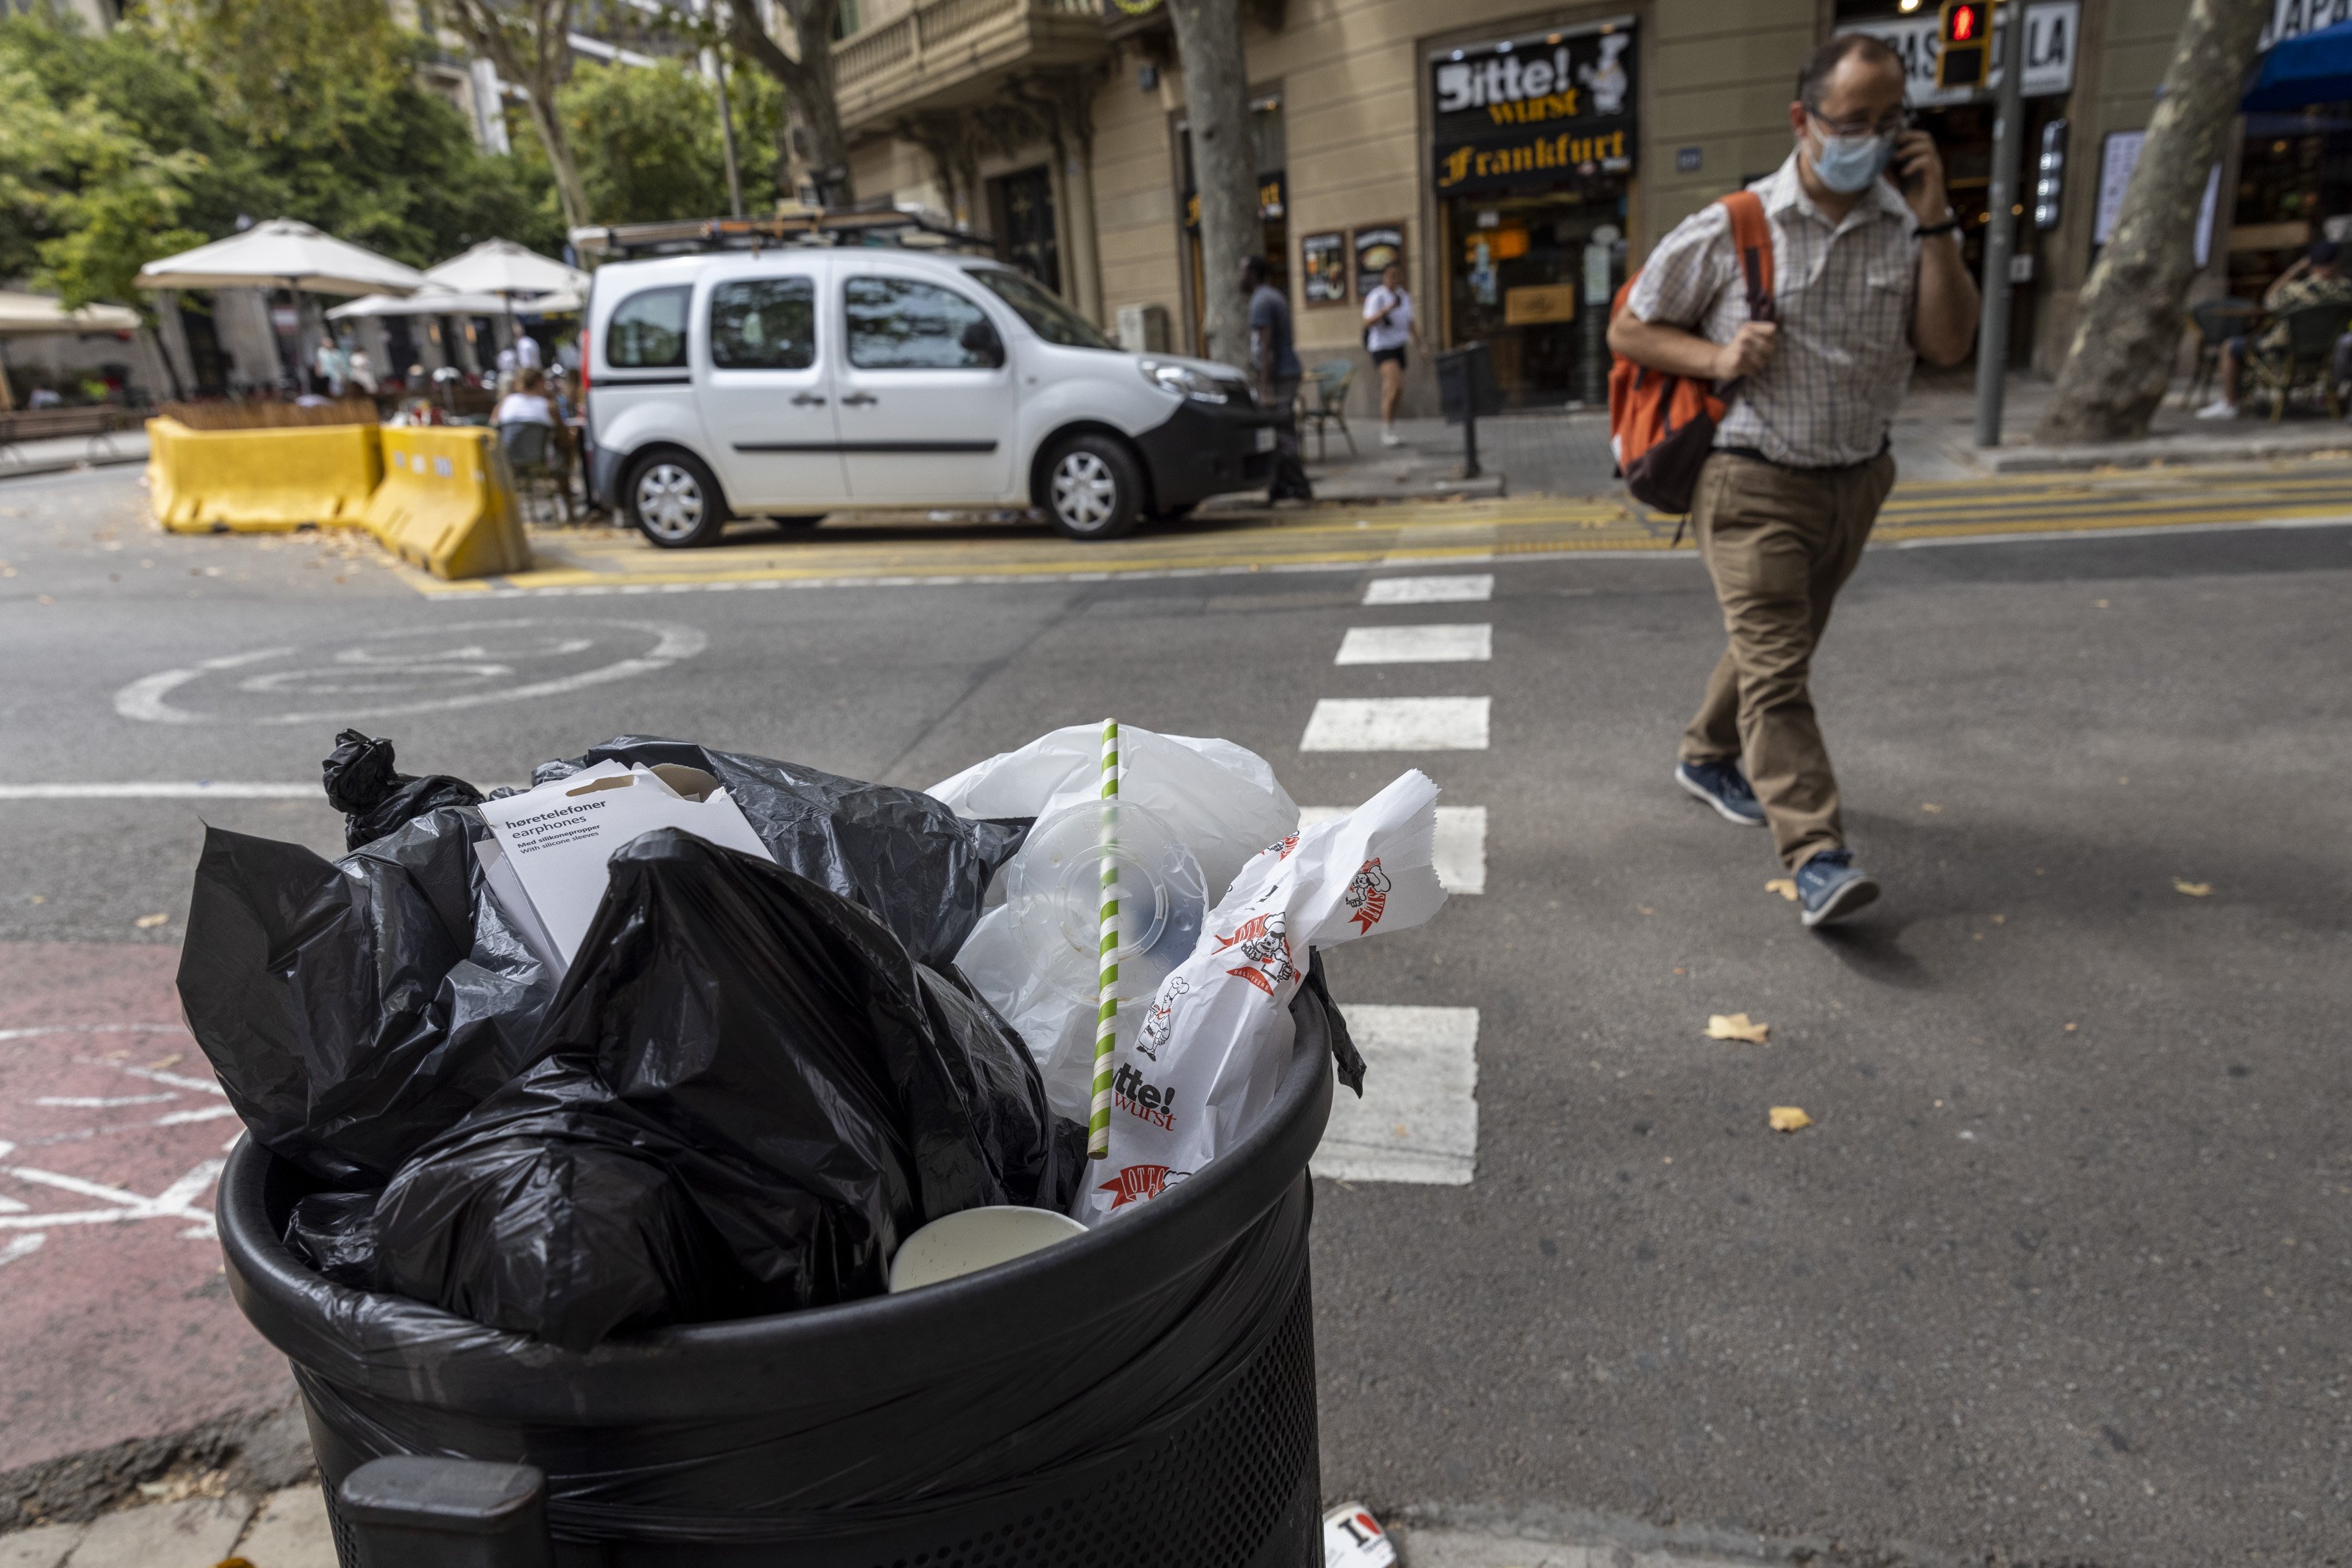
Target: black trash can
{"type": "Point", "coordinates": [1142, 1396]}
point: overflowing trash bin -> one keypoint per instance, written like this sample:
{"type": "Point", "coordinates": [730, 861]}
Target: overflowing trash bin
{"type": "Point", "coordinates": [586, 1122]}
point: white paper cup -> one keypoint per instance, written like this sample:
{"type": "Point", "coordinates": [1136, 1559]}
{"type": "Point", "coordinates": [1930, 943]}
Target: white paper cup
{"type": "Point", "coordinates": [974, 1239]}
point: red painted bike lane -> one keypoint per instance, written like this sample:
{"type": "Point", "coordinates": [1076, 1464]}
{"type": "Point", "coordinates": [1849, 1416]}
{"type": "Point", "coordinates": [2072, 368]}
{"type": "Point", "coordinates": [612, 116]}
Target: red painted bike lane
{"type": "Point", "coordinates": [115, 1317]}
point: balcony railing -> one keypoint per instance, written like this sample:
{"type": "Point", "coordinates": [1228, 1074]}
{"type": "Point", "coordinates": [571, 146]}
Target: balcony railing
{"type": "Point", "coordinates": [937, 49]}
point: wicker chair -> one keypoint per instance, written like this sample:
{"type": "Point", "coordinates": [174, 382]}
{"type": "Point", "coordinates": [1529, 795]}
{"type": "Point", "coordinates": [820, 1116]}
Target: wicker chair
{"type": "Point", "coordinates": [1323, 401]}
{"type": "Point", "coordinates": [2305, 361]}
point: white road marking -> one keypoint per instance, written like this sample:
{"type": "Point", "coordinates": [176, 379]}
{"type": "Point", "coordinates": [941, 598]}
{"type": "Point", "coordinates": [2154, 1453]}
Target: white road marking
{"type": "Point", "coordinates": [1461, 643]}
{"type": "Point", "coordinates": [156, 1075]}
{"type": "Point", "coordinates": [39, 1029]}
{"type": "Point", "coordinates": [384, 665]}
{"type": "Point", "coordinates": [102, 1102]}
{"type": "Point", "coordinates": [1418, 1120]}
{"type": "Point", "coordinates": [10, 1205]}
{"type": "Point", "coordinates": [1461, 850]}
{"type": "Point", "coordinates": [175, 1202]}
{"type": "Point", "coordinates": [190, 789]}
{"type": "Point", "coordinates": [1397, 724]}
{"type": "Point", "coordinates": [23, 1246]}
{"type": "Point", "coordinates": [1469, 588]}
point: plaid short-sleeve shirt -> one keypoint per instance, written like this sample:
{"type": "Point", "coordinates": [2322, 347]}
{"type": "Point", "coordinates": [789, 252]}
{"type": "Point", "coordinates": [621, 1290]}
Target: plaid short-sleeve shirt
{"type": "Point", "coordinates": [1842, 294]}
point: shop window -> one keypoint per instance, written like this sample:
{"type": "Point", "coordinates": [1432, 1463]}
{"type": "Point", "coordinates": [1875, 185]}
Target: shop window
{"type": "Point", "coordinates": [2294, 174]}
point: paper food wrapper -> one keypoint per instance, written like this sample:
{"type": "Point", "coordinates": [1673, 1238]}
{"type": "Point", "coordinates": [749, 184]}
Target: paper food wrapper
{"type": "Point", "coordinates": [1205, 1066]}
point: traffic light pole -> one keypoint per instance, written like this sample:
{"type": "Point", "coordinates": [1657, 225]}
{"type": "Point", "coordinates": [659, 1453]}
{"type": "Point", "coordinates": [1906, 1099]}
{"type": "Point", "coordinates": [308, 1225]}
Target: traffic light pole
{"type": "Point", "coordinates": [2000, 227]}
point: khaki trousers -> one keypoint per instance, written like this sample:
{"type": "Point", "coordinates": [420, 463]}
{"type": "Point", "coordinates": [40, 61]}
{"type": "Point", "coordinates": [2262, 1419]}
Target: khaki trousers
{"type": "Point", "coordinates": [1779, 544]}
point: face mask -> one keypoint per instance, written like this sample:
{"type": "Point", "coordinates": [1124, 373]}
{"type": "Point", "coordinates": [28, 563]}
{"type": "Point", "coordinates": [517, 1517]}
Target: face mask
{"type": "Point", "coordinates": [1847, 164]}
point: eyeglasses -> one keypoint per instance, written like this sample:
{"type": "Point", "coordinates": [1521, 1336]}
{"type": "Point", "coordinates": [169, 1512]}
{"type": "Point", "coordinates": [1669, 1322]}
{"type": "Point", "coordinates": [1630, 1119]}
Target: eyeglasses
{"type": "Point", "coordinates": [1891, 125]}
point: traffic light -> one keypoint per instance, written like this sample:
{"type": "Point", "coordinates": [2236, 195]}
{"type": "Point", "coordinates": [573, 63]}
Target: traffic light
{"type": "Point", "coordinates": [1965, 30]}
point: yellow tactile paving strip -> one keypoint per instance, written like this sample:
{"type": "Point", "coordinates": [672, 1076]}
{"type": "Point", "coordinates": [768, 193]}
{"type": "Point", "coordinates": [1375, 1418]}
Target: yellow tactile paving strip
{"type": "Point", "coordinates": [911, 548]}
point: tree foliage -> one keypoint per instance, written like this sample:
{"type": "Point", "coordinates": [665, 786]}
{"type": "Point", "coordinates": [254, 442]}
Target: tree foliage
{"type": "Point", "coordinates": [121, 147]}
{"type": "Point", "coordinates": [647, 142]}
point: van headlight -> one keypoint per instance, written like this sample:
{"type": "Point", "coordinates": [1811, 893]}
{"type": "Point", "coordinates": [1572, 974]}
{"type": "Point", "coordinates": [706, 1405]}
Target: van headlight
{"type": "Point", "coordinates": [1186, 381]}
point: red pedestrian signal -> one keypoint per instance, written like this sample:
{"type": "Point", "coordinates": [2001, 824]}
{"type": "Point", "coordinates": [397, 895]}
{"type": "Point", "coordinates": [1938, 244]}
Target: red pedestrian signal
{"type": "Point", "coordinates": [1965, 59]}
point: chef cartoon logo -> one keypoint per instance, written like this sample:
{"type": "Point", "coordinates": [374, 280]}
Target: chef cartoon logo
{"type": "Point", "coordinates": [1137, 1183]}
{"type": "Point", "coordinates": [1161, 1019]}
{"type": "Point", "coordinates": [1368, 895]}
{"type": "Point", "coordinates": [1281, 848]}
{"type": "Point", "coordinates": [1264, 941]}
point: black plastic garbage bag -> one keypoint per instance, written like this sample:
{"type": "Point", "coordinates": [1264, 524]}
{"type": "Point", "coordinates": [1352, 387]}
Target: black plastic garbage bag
{"type": "Point", "coordinates": [334, 1232]}
{"type": "Point", "coordinates": [353, 1008]}
{"type": "Point", "coordinates": [559, 1211]}
{"type": "Point", "coordinates": [749, 1094]}
{"type": "Point", "coordinates": [902, 854]}
{"type": "Point", "coordinates": [373, 798]}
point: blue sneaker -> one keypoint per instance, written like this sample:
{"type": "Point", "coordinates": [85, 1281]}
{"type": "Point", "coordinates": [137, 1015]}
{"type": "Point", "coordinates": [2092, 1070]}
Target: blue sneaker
{"type": "Point", "coordinates": [1831, 886]}
{"type": "Point", "coordinates": [1722, 785]}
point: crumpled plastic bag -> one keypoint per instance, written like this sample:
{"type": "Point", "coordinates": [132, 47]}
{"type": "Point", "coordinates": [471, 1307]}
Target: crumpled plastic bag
{"type": "Point", "coordinates": [1221, 801]}
{"type": "Point", "coordinates": [906, 857]}
{"type": "Point", "coordinates": [353, 1008]}
{"type": "Point", "coordinates": [1204, 1067]}
{"type": "Point", "coordinates": [749, 1094]}
{"type": "Point", "coordinates": [334, 1232]}
{"type": "Point", "coordinates": [374, 799]}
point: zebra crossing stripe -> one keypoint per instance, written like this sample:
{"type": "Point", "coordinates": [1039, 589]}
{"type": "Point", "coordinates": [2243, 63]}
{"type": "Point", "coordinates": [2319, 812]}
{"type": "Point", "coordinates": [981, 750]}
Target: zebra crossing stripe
{"type": "Point", "coordinates": [1397, 724]}
{"type": "Point", "coordinates": [1418, 1120]}
{"type": "Point", "coordinates": [1461, 852]}
{"type": "Point", "coordinates": [1464, 643]}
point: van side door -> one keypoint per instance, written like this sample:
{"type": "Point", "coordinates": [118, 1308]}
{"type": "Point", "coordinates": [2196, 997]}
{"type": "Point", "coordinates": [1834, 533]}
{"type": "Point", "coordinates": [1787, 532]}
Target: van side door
{"type": "Point", "coordinates": [765, 385]}
{"type": "Point", "coordinates": [929, 411]}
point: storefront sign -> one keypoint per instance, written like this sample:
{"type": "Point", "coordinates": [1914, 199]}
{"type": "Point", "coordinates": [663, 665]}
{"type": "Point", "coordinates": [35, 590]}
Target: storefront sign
{"type": "Point", "coordinates": [1269, 201]}
{"type": "Point", "coordinates": [1545, 109]}
{"type": "Point", "coordinates": [2294, 18]}
{"type": "Point", "coordinates": [2118, 158]}
{"type": "Point", "coordinates": [1323, 267]}
{"type": "Point", "coordinates": [2051, 28]}
{"type": "Point", "coordinates": [1537, 304]}
{"type": "Point", "coordinates": [1377, 248]}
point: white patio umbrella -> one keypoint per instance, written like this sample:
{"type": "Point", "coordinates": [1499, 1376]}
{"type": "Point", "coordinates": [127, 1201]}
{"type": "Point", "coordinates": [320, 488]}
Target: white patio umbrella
{"type": "Point", "coordinates": [503, 267]}
{"type": "Point", "coordinates": [283, 254]}
{"type": "Point", "coordinates": [28, 314]}
{"type": "Point", "coordinates": [559, 302]}
{"type": "Point", "coordinates": [427, 301]}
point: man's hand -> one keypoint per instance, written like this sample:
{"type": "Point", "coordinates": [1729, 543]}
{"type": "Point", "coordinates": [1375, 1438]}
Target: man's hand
{"type": "Point", "coordinates": [1918, 170]}
{"type": "Point", "coordinates": [1749, 352]}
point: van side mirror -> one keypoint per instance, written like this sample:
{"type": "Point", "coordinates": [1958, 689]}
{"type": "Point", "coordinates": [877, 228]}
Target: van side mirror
{"type": "Point", "coordinates": [981, 341]}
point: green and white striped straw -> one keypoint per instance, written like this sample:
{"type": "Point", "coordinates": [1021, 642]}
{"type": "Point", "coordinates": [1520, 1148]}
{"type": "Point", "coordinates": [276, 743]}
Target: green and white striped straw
{"type": "Point", "coordinates": [1106, 950]}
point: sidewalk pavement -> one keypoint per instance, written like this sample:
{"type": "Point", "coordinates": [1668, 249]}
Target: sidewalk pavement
{"type": "Point", "coordinates": [288, 1529]}
{"type": "Point", "coordinates": [58, 453]}
{"type": "Point", "coordinates": [1566, 453]}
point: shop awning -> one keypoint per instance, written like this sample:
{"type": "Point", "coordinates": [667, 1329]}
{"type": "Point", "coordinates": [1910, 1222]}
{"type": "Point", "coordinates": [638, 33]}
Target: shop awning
{"type": "Point", "coordinates": [2299, 72]}
{"type": "Point", "coordinates": [29, 315]}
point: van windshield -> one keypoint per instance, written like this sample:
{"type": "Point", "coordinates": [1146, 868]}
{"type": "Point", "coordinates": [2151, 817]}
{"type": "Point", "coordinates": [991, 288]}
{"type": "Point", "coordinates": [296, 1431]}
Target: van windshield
{"type": "Point", "coordinates": [1046, 314]}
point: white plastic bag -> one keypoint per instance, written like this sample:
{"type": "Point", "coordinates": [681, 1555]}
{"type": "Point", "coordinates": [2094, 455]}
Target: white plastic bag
{"type": "Point", "coordinates": [1205, 1063]}
{"type": "Point", "coordinates": [1215, 802]}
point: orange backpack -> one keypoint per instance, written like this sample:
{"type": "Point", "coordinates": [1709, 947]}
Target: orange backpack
{"type": "Point", "coordinates": [1661, 426]}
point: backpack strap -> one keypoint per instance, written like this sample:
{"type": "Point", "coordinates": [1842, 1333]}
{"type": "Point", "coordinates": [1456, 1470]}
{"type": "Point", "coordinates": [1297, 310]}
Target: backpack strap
{"type": "Point", "coordinates": [1751, 239]}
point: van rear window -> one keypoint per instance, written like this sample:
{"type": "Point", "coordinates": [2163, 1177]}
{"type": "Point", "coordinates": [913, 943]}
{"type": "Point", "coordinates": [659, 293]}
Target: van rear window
{"type": "Point", "coordinates": [648, 330]}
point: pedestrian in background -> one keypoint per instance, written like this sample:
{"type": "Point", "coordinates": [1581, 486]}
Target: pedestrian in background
{"type": "Point", "coordinates": [1389, 324]}
{"type": "Point", "coordinates": [1273, 362]}
{"type": "Point", "coordinates": [1868, 277]}
{"type": "Point", "coordinates": [2315, 279]}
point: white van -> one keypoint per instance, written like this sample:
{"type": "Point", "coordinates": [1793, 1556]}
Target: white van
{"type": "Point", "coordinates": [793, 381]}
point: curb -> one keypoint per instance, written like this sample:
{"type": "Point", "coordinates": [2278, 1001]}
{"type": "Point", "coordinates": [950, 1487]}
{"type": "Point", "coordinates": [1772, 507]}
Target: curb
{"type": "Point", "coordinates": [262, 1451]}
{"type": "Point", "coordinates": [66, 466]}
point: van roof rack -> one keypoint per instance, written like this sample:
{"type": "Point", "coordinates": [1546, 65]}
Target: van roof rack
{"type": "Point", "coordinates": [914, 227]}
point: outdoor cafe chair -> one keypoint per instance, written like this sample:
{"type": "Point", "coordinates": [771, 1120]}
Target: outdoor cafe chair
{"type": "Point", "coordinates": [2216, 321]}
{"type": "Point", "coordinates": [536, 458]}
{"type": "Point", "coordinates": [1323, 400]}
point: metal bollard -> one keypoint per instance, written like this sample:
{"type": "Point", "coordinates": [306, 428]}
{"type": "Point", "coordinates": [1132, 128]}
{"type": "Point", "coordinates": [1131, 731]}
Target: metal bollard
{"type": "Point", "coordinates": [407, 1511]}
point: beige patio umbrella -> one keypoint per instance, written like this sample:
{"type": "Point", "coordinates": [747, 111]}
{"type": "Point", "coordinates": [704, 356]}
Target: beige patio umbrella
{"type": "Point", "coordinates": [283, 253]}
{"type": "Point", "coordinates": [33, 314]}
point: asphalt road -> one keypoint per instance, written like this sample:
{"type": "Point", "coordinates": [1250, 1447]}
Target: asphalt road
{"type": "Point", "coordinates": [2059, 1273]}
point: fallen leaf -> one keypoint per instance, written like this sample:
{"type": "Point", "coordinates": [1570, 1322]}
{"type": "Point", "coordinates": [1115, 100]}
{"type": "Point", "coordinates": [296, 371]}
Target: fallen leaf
{"type": "Point", "coordinates": [149, 922]}
{"type": "Point", "coordinates": [2098, 603]}
{"type": "Point", "coordinates": [1736, 1026]}
{"type": "Point", "coordinates": [162, 1062]}
{"type": "Point", "coordinates": [1999, 918]}
{"type": "Point", "coordinates": [2193, 889]}
{"type": "Point", "coordinates": [2070, 1029]}
{"type": "Point", "coordinates": [1929, 806]}
{"type": "Point", "coordinates": [1785, 886]}
{"type": "Point", "coordinates": [1789, 1119]}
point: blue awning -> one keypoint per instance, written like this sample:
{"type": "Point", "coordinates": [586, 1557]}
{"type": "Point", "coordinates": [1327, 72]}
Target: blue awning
{"type": "Point", "coordinates": [2298, 72]}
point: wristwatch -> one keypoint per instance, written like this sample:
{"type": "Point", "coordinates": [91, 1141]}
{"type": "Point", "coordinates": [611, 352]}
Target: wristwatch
{"type": "Point", "coordinates": [1949, 226]}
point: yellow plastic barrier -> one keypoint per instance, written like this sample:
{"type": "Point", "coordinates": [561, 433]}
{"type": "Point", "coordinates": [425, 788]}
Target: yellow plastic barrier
{"type": "Point", "coordinates": [260, 481]}
{"type": "Point", "coordinates": [446, 502]}
{"type": "Point", "coordinates": [439, 497]}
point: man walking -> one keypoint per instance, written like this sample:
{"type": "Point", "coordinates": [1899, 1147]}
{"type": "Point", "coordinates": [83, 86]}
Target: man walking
{"type": "Point", "coordinates": [1274, 366]}
{"type": "Point", "coordinates": [1867, 277]}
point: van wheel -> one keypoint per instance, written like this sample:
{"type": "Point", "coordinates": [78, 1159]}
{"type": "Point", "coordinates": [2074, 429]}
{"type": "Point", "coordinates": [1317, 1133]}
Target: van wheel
{"type": "Point", "coordinates": [674, 502]}
{"type": "Point", "coordinates": [1093, 490]}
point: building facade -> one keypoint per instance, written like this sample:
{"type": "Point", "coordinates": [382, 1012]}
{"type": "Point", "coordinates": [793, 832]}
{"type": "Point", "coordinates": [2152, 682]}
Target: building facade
{"type": "Point", "coordinates": [1516, 157]}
